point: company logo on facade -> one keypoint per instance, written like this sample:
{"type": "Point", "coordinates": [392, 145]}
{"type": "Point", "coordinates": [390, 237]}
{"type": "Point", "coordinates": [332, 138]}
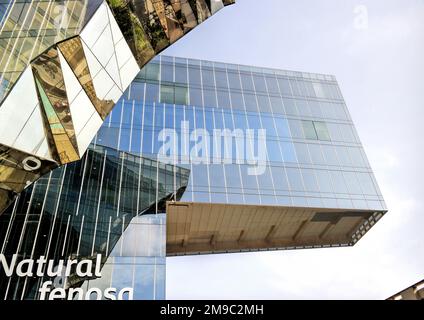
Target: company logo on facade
{"type": "Point", "coordinates": [62, 273]}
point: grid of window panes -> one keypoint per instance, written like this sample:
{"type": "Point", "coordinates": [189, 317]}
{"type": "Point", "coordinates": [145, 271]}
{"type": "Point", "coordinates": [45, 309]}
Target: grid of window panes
{"type": "Point", "coordinates": [104, 204]}
{"type": "Point", "coordinates": [138, 260]}
{"type": "Point", "coordinates": [315, 158]}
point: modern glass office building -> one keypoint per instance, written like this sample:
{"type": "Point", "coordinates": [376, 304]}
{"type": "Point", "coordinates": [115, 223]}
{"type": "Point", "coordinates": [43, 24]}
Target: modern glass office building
{"type": "Point", "coordinates": [315, 163]}
{"type": "Point", "coordinates": [199, 157]}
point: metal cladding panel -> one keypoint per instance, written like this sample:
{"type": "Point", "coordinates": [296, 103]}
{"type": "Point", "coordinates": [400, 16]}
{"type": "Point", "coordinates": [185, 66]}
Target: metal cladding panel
{"type": "Point", "coordinates": [205, 228]}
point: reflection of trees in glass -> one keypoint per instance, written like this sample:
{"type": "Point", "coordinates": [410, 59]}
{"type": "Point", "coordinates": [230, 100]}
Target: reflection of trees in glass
{"type": "Point", "coordinates": [149, 21]}
{"type": "Point", "coordinates": [193, 6]}
{"type": "Point", "coordinates": [145, 38]}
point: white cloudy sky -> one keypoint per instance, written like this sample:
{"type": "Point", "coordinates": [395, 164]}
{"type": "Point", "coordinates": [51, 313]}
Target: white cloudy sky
{"type": "Point", "coordinates": [380, 70]}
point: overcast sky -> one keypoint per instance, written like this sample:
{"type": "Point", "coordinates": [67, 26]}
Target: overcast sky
{"type": "Point", "coordinates": [379, 65]}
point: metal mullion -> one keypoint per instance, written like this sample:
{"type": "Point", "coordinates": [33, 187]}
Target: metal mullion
{"type": "Point", "coordinates": [26, 217]}
{"type": "Point", "coordinates": [11, 221]}
{"type": "Point", "coordinates": [82, 183]}
{"type": "Point", "coordinates": [141, 149]}
{"type": "Point", "coordinates": [291, 141]}
{"type": "Point", "coordinates": [247, 122]}
{"type": "Point", "coordinates": [120, 184]}
{"type": "Point", "coordinates": [98, 202]}
{"type": "Point", "coordinates": [262, 126]}
{"type": "Point", "coordinates": [36, 232]}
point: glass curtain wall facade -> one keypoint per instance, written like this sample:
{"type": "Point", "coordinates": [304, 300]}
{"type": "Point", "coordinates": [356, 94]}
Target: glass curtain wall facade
{"type": "Point", "coordinates": [109, 203]}
{"type": "Point", "coordinates": [314, 155]}
{"type": "Point", "coordinates": [316, 189]}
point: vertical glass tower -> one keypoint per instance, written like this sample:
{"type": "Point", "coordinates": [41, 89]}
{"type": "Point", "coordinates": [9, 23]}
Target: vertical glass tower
{"type": "Point", "coordinates": [199, 157]}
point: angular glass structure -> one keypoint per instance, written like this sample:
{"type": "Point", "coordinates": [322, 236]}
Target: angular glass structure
{"type": "Point", "coordinates": [316, 188]}
{"type": "Point", "coordinates": [198, 157]}
{"type": "Point", "coordinates": [73, 59]}
{"type": "Point", "coordinates": [109, 203]}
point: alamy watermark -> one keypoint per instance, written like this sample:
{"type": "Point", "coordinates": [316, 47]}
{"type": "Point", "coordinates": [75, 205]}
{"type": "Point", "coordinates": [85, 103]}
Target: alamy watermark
{"type": "Point", "coordinates": [221, 146]}
{"type": "Point", "coordinates": [361, 20]}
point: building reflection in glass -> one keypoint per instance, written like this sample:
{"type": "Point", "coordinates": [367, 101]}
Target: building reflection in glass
{"type": "Point", "coordinates": [82, 209]}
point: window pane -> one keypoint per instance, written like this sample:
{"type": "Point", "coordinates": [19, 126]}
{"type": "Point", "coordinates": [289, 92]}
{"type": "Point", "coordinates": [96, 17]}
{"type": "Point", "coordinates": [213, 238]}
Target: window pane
{"type": "Point", "coordinates": [296, 129]}
{"type": "Point", "coordinates": [152, 92]}
{"type": "Point", "coordinates": [356, 157]}
{"type": "Point", "coordinates": [322, 131]}
{"type": "Point", "coordinates": [330, 155]}
{"type": "Point", "coordinates": [289, 154]}
{"type": "Point", "coordinates": [315, 109]}
{"type": "Point", "coordinates": [152, 71]}
{"type": "Point", "coordinates": [295, 179]}
{"type": "Point", "coordinates": [282, 126]}
{"type": "Point", "coordinates": [234, 80]}
{"type": "Point", "coordinates": [169, 116]}
{"type": "Point", "coordinates": [180, 74]}
{"type": "Point", "coordinates": [308, 128]}
{"type": "Point", "coordinates": [338, 182]}
{"type": "Point", "coordinates": [167, 72]}
{"type": "Point", "coordinates": [284, 87]}
{"type": "Point", "coordinates": [137, 91]}
{"type": "Point", "coordinates": [302, 153]}
{"type": "Point", "coordinates": [334, 132]}
{"type": "Point", "coordinates": [209, 97]}
{"type": "Point", "coordinates": [181, 95]}
{"type": "Point", "coordinates": [223, 99]}
{"type": "Point", "coordinates": [194, 76]}
{"type": "Point", "coordinates": [221, 79]}
{"type": "Point", "coordinates": [240, 120]}
{"type": "Point", "coordinates": [264, 105]}
{"type": "Point", "coordinates": [366, 182]}
{"type": "Point", "coordinates": [310, 89]}
{"type": "Point", "coordinates": [279, 178]}
{"type": "Point", "coordinates": [167, 94]}
{"type": "Point", "coordinates": [260, 85]}
{"type": "Point", "coordinates": [316, 154]}
{"type": "Point", "coordinates": [268, 125]}
{"type": "Point", "coordinates": [277, 105]}
{"type": "Point", "coordinates": [247, 82]}
{"type": "Point", "coordinates": [303, 108]}
{"type": "Point", "coordinates": [347, 133]}
{"type": "Point", "coordinates": [250, 102]}
{"type": "Point", "coordinates": [324, 181]}
{"type": "Point", "coordinates": [310, 180]}
{"type": "Point", "coordinates": [319, 90]}
{"type": "Point", "coordinates": [208, 78]}
{"type": "Point", "coordinates": [295, 88]}
{"type": "Point", "coordinates": [237, 100]}
{"type": "Point", "coordinates": [344, 157]}
{"type": "Point", "coordinates": [272, 85]}
{"type": "Point", "coordinates": [290, 107]}
{"type": "Point", "coordinates": [196, 97]}
{"type": "Point", "coordinates": [352, 183]}
{"type": "Point", "coordinates": [302, 88]}
{"type": "Point", "coordinates": [273, 150]}
{"type": "Point", "coordinates": [232, 177]}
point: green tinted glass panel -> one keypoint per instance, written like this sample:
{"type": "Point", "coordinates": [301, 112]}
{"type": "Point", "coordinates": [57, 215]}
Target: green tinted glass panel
{"type": "Point", "coordinates": [308, 128]}
{"type": "Point", "coordinates": [167, 94]}
{"type": "Point", "coordinates": [181, 95]}
{"type": "Point", "coordinates": [322, 131]}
